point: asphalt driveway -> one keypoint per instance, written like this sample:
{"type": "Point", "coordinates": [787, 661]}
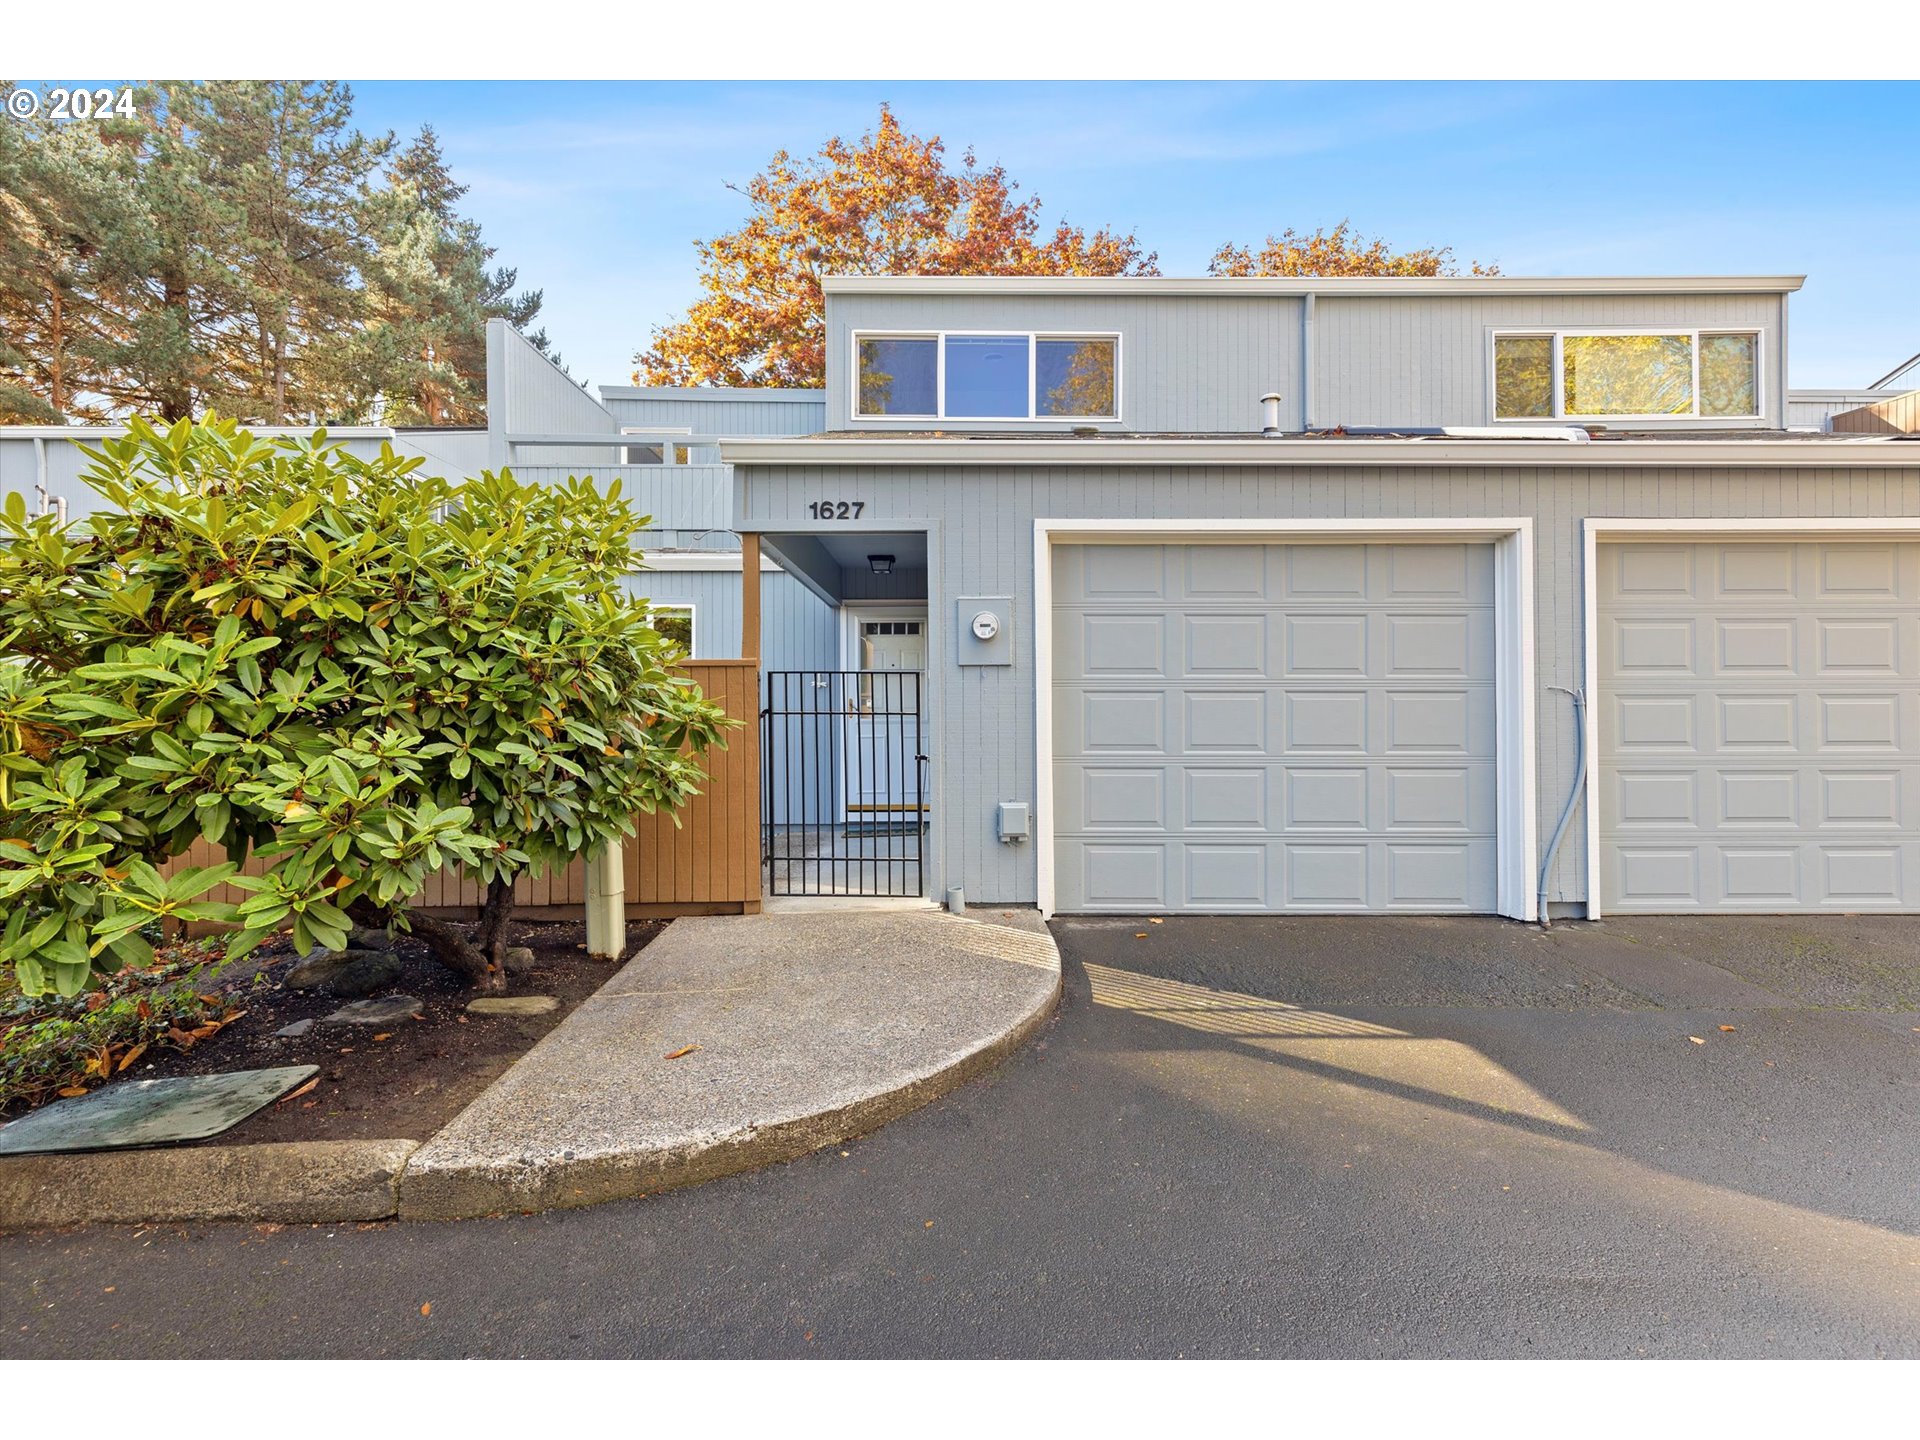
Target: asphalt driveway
{"type": "Point", "coordinates": [1240, 1137]}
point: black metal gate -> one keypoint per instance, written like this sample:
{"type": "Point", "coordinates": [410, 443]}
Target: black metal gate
{"type": "Point", "coordinates": [843, 794]}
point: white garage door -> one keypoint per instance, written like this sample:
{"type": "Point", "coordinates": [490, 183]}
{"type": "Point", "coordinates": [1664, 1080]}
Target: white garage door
{"type": "Point", "coordinates": [1274, 727]}
{"type": "Point", "coordinates": [1759, 711]}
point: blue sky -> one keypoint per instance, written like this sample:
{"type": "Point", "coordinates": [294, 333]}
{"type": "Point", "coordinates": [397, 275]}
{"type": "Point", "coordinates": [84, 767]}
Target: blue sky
{"type": "Point", "coordinates": [597, 191]}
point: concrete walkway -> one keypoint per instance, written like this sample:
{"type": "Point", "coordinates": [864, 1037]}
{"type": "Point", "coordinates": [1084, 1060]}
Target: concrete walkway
{"type": "Point", "coordinates": [810, 1027]}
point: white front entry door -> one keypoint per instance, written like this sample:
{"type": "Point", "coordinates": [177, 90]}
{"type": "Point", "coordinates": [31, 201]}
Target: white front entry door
{"type": "Point", "coordinates": [886, 730]}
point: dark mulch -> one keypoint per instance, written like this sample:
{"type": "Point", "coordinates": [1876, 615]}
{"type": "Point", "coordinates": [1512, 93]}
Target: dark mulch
{"type": "Point", "coordinates": [422, 1074]}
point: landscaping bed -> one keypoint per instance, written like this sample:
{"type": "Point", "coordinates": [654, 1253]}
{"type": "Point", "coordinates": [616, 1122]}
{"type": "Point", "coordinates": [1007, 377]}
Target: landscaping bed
{"type": "Point", "coordinates": [398, 1080]}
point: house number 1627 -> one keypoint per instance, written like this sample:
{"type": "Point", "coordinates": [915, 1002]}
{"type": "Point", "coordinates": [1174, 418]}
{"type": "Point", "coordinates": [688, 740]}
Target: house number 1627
{"type": "Point", "coordinates": [836, 509]}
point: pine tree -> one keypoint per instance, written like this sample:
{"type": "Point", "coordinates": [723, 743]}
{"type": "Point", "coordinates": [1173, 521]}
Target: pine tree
{"type": "Point", "coordinates": [71, 238]}
{"type": "Point", "coordinates": [430, 293]}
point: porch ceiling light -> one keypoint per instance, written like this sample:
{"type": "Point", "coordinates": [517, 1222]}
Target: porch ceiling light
{"type": "Point", "coordinates": [882, 564]}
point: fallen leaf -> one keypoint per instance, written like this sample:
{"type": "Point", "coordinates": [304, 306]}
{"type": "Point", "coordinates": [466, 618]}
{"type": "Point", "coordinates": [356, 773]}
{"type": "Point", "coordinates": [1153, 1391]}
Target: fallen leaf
{"type": "Point", "coordinates": [1156, 920]}
{"type": "Point", "coordinates": [110, 1289]}
{"type": "Point", "coordinates": [384, 1035]}
{"type": "Point", "coordinates": [303, 1090]}
{"type": "Point", "coordinates": [132, 1055]}
{"type": "Point", "coordinates": [1696, 1039]}
{"type": "Point", "coordinates": [71, 1090]}
{"type": "Point", "coordinates": [1139, 934]}
{"type": "Point", "coordinates": [1727, 1028]}
{"type": "Point", "coordinates": [427, 1309]}
{"type": "Point", "coordinates": [683, 1050]}
{"type": "Point", "coordinates": [929, 1225]}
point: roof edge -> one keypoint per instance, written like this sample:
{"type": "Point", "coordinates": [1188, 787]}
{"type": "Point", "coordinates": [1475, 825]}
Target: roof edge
{"type": "Point", "coordinates": [1868, 451]}
{"type": "Point", "coordinates": [781, 394]}
{"type": "Point", "coordinates": [1328, 285]}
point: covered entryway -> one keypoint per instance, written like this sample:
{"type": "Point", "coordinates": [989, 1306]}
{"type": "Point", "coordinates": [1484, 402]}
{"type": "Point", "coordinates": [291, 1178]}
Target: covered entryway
{"type": "Point", "coordinates": [1758, 723]}
{"type": "Point", "coordinates": [846, 779]}
{"type": "Point", "coordinates": [1277, 727]}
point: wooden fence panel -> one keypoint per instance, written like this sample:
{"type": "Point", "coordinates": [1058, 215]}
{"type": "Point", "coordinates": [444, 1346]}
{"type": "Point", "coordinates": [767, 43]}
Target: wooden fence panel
{"type": "Point", "coordinates": [709, 863]}
{"type": "Point", "coordinates": [1898, 416]}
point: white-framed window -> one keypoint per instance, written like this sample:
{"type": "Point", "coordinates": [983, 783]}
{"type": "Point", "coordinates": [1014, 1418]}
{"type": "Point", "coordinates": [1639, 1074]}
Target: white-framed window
{"type": "Point", "coordinates": [986, 375]}
{"type": "Point", "coordinates": [676, 623]}
{"type": "Point", "coordinates": [1648, 374]}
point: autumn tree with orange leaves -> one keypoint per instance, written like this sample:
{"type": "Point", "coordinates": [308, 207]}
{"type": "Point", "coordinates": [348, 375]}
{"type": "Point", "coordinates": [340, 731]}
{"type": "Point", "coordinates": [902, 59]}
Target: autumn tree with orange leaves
{"type": "Point", "coordinates": [887, 205]}
{"type": "Point", "coordinates": [1339, 251]}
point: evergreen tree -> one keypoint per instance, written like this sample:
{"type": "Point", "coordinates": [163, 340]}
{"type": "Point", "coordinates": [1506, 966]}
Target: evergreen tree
{"type": "Point", "coordinates": [430, 291]}
{"type": "Point", "coordinates": [71, 239]}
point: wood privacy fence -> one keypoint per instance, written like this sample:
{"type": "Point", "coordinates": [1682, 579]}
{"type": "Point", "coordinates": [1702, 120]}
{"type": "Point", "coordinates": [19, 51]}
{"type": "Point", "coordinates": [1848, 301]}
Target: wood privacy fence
{"type": "Point", "coordinates": [708, 864]}
{"type": "Point", "coordinates": [1899, 415]}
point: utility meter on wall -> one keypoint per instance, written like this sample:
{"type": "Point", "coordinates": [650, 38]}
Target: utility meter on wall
{"type": "Point", "coordinates": [983, 629]}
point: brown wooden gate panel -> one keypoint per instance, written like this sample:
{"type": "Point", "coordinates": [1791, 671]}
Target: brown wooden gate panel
{"type": "Point", "coordinates": [708, 864]}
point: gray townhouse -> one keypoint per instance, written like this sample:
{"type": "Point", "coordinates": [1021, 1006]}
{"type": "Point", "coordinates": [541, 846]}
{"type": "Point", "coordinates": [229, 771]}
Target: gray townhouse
{"type": "Point", "coordinates": [1318, 595]}
{"type": "Point", "coordinates": [1344, 595]}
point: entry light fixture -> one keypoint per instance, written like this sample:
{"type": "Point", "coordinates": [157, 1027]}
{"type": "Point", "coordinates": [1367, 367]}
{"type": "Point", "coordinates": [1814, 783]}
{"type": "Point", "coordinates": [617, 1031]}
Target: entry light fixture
{"type": "Point", "coordinates": [882, 564]}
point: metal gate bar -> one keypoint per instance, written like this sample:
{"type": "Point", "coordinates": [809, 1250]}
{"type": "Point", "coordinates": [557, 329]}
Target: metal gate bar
{"type": "Point", "coordinates": [843, 796]}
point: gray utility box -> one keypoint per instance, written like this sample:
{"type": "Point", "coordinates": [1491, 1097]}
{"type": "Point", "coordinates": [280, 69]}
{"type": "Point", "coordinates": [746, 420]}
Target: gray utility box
{"type": "Point", "coordinates": [984, 627]}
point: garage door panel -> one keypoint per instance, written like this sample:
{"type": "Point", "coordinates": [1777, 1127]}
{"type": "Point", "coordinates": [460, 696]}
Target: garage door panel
{"type": "Point", "coordinates": [1107, 722]}
{"type": "Point", "coordinates": [1774, 769]}
{"type": "Point", "coordinates": [1321, 736]}
{"type": "Point", "coordinates": [1225, 571]}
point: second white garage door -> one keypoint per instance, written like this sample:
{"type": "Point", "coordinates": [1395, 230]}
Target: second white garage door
{"type": "Point", "coordinates": [1274, 727]}
{"type": "Point", "coordinates": [1759, 716]}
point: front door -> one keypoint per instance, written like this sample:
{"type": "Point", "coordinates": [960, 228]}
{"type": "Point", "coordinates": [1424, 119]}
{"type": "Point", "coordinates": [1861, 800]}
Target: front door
{"type": "Point", "coordinates": [888, 650]}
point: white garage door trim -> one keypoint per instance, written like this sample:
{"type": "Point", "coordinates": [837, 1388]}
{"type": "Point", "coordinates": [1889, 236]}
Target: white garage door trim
{"type": "Point", "coordinates": [1516, 840]}
{"type": "Point", "coordinates": [1613, 531]}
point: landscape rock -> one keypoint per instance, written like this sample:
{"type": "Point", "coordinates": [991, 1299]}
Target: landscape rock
{"type": "Point", "coordinates": [295, 1030]}
{"type": "Point", "coordinates": [363, 937]}
{"type": "Point", "coordinates": [384, 1011]}
{"type": "Point", "coordinates": [519, 959]}
{"type": "Point", "coordinates": [365, 972]}
{"type": "Point", "coordinates": [512, 1005]}
{"type": "Point", "coordinates": [346, 973]}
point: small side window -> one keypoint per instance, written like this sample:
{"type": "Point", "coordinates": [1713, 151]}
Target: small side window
{"type": "Point", "coordinates": [1523, 377]}
{"type": "Point", "coordinates": [899, 375]}
{"type": "Point", "coordinates": [676, 623]}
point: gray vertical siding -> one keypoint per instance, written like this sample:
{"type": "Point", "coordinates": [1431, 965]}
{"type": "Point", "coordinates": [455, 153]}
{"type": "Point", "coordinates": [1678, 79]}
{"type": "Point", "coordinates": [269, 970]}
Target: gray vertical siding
{"type": "Point", "coordinates": [1186, 363]}
{"type": "Point", "coordinates": [1424, 360]}
{"type": "Point", "coordinates": [980, 532]}
{"type": "Point", "coordinates": [715, 411]}
{"type": "Point", "coordinates": [527, 394]}
{"type": "Point", "coordinates": [1201, 363]}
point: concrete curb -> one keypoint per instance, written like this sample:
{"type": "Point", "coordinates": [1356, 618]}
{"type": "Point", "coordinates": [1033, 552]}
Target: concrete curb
{"type": "Point", "coordinates": [456, 1192]}
{"type": "Point", "coordinates": [318, 1180]}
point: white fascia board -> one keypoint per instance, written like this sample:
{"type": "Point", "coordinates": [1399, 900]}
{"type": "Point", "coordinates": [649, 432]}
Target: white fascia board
{"type": "Point", "coordinates": [708, 560]}
{"type": "Point", "coordinates": [1866, 452]}
{"type": "Point", "coordinates": [1331, 286]}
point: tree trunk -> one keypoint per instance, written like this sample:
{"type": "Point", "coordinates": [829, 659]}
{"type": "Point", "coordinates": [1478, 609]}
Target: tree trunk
{"type": "Point", "coordinates": [57, 366]}
{"type": "Point", "coordinates": [493, 931]}
{"type": "Point", "coordinates": [173, 393]}
{"type": "Point", "coordinates": [449, 944]}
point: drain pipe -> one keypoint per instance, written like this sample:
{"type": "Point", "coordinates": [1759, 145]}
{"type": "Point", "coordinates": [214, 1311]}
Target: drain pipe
{"type": "Point", "coordinates": [1573, 796]}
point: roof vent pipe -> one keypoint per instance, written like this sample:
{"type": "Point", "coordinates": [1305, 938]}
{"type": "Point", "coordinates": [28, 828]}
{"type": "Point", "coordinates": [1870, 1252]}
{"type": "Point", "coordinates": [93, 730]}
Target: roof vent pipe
{"type": "Point", "coordinates": [1270, 415]}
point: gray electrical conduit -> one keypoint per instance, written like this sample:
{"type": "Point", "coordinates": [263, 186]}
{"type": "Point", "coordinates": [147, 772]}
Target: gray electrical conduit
{"type": "Point", "coordinates": [1573, 796]}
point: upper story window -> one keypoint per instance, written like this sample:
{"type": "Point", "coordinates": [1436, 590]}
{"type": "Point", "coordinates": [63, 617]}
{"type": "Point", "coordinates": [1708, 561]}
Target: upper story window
{"type": "Point", "coordinates": [987, 376]}
{"type": "Point", "coordinates": [1631, 375]}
